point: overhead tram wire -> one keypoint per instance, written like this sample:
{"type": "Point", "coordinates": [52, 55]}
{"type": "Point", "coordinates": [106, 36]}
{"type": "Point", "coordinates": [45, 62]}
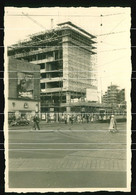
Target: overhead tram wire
{"type": "Point", "coordinates": [109, 44]}
{"type": "Point", "coordinates": [113, 29]}
{"type": "Point", "coordinates": [77, 15]}
{"type": "Point", "coordinates": [110, 33]}
{"type": "Point", "coordinates": [113, 14]}
{"type": "Point", "coordinates": [110, 50]}
{"type": "Point", "coordinates": [120, 58]}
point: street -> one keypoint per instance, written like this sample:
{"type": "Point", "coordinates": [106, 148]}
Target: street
{"type": "Point", "coordinates": [67, 156]}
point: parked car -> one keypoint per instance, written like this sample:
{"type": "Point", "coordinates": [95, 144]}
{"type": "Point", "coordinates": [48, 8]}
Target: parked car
{"type": "Point", "coordinates": [19, 122]}
{"type": "Point", "coordinates": [23, 121]}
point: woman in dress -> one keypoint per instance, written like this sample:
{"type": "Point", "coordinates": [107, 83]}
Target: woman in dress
{"type": "Point", "coordinates": [113, 124]}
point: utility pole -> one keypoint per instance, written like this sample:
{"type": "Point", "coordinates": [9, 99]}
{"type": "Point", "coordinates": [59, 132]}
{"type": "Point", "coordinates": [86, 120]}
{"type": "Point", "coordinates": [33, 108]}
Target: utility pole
{"type": "Point", "coordinates": [101, 89]}
{"type": "Point", "coordinates": [51, 23]}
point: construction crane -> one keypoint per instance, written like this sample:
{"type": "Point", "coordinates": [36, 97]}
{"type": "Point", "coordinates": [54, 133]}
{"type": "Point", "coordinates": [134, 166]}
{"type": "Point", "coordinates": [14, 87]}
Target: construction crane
{"type": "Point", "coordinates": [43, 27]}
{"type": "Point", "coordinates": [34, 20]}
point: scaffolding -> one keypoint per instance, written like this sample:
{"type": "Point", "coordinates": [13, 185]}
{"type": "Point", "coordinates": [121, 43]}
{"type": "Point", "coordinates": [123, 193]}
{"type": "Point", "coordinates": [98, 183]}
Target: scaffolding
{"type": "Point", "coordinates": [64, 56]}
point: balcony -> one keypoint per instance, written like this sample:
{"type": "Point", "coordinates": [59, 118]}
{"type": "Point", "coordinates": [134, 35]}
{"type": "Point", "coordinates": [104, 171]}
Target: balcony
{"type": "Point", "coordinates": [50, 90]}
{"type": "Point", "coordinates": [38, 61]}
{"type": "Point", "coordinates": [49, 71]}
{"type": "Point", "coordinates": [35, 52]}
{"type": "Point", "coordinates": [46, 80]}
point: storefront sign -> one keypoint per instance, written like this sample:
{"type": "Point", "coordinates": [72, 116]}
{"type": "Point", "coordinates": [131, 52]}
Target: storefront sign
{"type": "Point", "coordinates": [25, 105]}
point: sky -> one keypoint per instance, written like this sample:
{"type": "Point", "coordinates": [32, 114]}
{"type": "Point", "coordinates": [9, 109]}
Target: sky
{"type": "Point", "coordinates": [110, 25]}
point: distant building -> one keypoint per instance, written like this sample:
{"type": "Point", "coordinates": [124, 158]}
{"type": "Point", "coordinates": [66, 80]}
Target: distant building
{"type": "Point", "coordinates": [114, 95]}
{"type": "Point", "coordinates": [67, 62]}
{"type": "Point", "coordinates": [23, 88]}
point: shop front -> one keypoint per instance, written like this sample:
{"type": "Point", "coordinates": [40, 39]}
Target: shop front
{"type": "Point", "coordinates": [21, 109]}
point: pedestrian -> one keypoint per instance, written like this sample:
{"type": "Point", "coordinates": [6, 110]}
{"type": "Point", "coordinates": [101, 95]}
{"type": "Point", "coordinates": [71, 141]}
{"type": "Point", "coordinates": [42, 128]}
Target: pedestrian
{"type": "Point", "coordinates": [87, 118]}
{"type": "Point", "coordinates": [92, 118]}
{"type": "Point", "coordinates": [68, 118]}
{"type": "Point", "coordinates": [83, 118]}
{"type": "Point", "coordinates": [113, 124]}
{"type": "Point", "coordinates": [65, 118]}
{"type": "Point", "coordinates": [62, 118]}
{"type": "Point", "coordinates": [36, 121]}
{"type": "Point", "coordinates": [78, 118]}
{"type": "Point", "coordinates": [72, 119]}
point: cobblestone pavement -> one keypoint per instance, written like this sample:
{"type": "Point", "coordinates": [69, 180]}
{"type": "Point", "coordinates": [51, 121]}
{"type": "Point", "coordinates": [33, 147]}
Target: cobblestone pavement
{"type": "Point", "coordinates": [73, 163]}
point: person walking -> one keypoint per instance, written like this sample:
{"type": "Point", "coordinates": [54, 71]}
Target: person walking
{"type": "Point", "coordinates": [87, 118]}
{"type": "Point", "coordinates": [72, 119]}
{"type": "Point", "coordinates": [68, 118]}
{"type": "Point", "coordinates": [92, 118]}
{"type": "Point", "coordinates": [36, 122]}
{"type": "Point", "coordinates": [113, 124]}
{"type": "Point", "coordinates": [65, 118]}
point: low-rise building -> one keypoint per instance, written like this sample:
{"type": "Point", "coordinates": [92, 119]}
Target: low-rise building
{"type": "Point", "coordinates": [23, 88]}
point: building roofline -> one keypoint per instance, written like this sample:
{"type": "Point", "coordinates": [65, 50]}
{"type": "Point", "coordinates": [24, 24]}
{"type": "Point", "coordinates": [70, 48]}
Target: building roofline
{"type": "Point", "coordinates": [60, 27]}
{"type": "Point", "coordinates": [77, 27]}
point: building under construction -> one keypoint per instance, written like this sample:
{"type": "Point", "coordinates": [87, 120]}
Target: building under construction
{"type": "Point", "coordinates": [66, 57]}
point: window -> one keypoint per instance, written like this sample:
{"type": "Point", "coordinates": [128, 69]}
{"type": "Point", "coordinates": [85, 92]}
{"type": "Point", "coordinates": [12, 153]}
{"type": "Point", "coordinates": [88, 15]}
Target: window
{"type": "Point", "coordinates": [42, 66]}
{"type": "Point", "coordinates": [43, 75]}
{"type": "Point", "coordinates": [42, 85]}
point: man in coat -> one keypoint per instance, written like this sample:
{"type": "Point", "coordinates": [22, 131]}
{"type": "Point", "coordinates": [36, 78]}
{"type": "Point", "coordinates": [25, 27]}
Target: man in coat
{"type": "Point", "coordinates": [36, 122]}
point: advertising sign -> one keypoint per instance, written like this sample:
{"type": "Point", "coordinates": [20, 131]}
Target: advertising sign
{"type": "Point", "coordinates": [25, 85]}
{"type": "Point", "coordinates": [92, 95]}
{"type": "Point", "coordinates": [51, 109]}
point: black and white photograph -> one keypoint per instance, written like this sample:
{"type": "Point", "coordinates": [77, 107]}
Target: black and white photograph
{"type": "Point", "coordinates": [67, 93]}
